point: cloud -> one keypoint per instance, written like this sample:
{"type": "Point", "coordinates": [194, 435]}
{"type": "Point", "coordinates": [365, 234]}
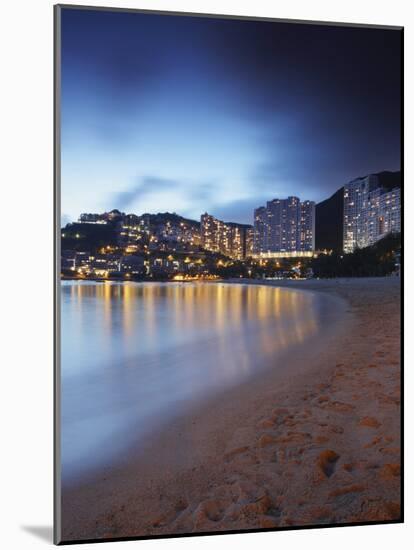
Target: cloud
{"type": "Point", "coordinates": [222, 115]}
{"type": "Point", "coordinates": [147, 185]}
{"type": "Point", "coordinates": [150, 186]}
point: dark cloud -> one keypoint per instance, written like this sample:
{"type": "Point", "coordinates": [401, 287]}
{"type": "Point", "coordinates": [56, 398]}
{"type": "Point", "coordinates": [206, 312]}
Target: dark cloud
{"type": "Point", "coordinates": [151, 185]}
{"type": "Point", "coordinates": [320, 104]}
{"type": "Point", "coordinates": [146, 186]}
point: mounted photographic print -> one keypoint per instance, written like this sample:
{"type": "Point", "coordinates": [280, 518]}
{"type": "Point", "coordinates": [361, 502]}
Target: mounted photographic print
{"type": "Point", "coordinates": [228, 274]}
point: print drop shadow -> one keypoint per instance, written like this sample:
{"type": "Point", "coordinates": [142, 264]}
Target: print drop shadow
{"type": "Point", "coordinates": [43, 532]}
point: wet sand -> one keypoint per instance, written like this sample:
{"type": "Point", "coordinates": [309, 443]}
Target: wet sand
{"type": "Point", "coordinates": [316, 444]}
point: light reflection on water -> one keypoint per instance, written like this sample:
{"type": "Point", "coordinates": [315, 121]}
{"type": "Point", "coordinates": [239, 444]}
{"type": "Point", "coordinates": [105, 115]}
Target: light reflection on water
{"type": "Point", "coordinates": [134, 354]}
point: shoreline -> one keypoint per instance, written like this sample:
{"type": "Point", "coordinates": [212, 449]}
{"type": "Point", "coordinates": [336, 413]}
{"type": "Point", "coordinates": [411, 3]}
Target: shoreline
{"type": "Point", "coordinates": [246, 364]}
{"type": "Point", "coordinates": [255, 459]}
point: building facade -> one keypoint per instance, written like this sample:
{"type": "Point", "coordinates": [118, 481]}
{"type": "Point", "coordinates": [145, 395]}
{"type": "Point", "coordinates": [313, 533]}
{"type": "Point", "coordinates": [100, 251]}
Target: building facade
{"type": "Point", "coordinates": [260, 231]}
{"type": "Point", "coordinates": [370, 212]}
{"type": "Point", "coordinates": [307, 226]}
{"type": "Point", "coordinates": [284, 227]}
{"type": "Point", "coordinates": [91, 218]}
{"type": "Point", "coordinates": [249, 242]}
{"type": "Point", "coordinates": [230, 239]}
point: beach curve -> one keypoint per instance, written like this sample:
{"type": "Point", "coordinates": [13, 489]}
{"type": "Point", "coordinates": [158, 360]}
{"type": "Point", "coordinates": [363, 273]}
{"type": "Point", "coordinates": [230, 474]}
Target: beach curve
{"type": "Point", "coordinates": [317, 449]}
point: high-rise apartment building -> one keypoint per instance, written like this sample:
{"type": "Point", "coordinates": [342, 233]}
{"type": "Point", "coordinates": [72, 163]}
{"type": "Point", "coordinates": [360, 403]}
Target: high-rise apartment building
{"type": "Point", "coordinates": [284, 227]}
{"type": "Point", "coordinates": [370, 212]}
{"type": "Point", "coordinates": [261, 230]}
{"type": "Point", "coordinates": [230, 239]}
{"type": "Point", "coordinates": [249, 241]}
{"type": "Point", "coordinates": [307, 226]}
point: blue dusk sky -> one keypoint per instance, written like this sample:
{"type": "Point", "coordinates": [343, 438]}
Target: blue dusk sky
{"type": "Point", "coordinates": [192, 114]}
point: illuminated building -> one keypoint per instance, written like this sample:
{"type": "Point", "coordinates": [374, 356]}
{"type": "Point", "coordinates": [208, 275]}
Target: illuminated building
{"type": "Point", "coordinates": [227, 238]}
{"type": "Point", "coordinates": [68, 263]}
{"type": "Point", "coordinates": [370, 212]}
{"type": "Point", "coordinates": [249, 242]}
{"type": "Point", "coordinates": [133, 265]}
{"type": "Point", "coordinates": [178, 232]}
{"type": "Point", "coordinates": [307, 226]}
{"type": "Point", "coordinates": [239, 235]}
{"type": "Point", "coordinates": [261, 230]}
{"type": "Point", "coordinates": [284, 227]}
{"type": "Point", "coordinates": [212, 233]}
{"type": "Point", "coordinates": [82, 259]}
{"type": "Point", "coordinates": [91, 218]}
{"type": "Point", "coordinates": [105, 262]}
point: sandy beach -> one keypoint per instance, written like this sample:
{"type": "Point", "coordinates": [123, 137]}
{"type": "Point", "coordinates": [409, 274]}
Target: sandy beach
{"type": "Point", "coordinates": [316, 444]}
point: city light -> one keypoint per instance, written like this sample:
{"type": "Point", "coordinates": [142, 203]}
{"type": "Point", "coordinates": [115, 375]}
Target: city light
{"type": "Point", "coordinates": [279, 244]}
{"type": "Point", "coordinates": [370, 212]}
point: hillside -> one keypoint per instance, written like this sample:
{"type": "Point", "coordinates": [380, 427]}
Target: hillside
{"type": "Point", "coordinates": [173, 218]}
{"type": "Point", "coordinates": [389, 180]}
{"type": "Point", "coordinates": [328, 226]}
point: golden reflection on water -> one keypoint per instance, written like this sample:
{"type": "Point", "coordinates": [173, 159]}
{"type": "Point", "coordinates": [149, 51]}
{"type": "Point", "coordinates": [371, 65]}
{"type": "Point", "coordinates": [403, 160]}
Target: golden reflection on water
{"type": "Point", "coordinates": [221, 306]}
{"type": "Point", "coordinates": [132, 353]}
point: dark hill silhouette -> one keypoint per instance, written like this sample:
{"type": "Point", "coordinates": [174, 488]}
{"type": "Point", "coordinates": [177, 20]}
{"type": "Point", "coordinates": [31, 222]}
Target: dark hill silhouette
{"type": "Point", "coordinates": [389, 180]}
{"type": "Point", "coordinates": [328, 227]}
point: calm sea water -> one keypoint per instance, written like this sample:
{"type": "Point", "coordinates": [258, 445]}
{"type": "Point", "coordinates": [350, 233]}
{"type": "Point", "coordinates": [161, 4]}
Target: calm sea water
{"type": "Point", "coordinates": [136, 354]}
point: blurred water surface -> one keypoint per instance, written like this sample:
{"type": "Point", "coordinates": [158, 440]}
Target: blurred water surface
{"type": "Point", "coordinates": [134, 354]}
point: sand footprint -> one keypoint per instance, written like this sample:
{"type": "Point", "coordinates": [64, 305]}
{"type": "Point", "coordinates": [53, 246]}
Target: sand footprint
{"type": "Point", "coordinates": [326, 462]}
